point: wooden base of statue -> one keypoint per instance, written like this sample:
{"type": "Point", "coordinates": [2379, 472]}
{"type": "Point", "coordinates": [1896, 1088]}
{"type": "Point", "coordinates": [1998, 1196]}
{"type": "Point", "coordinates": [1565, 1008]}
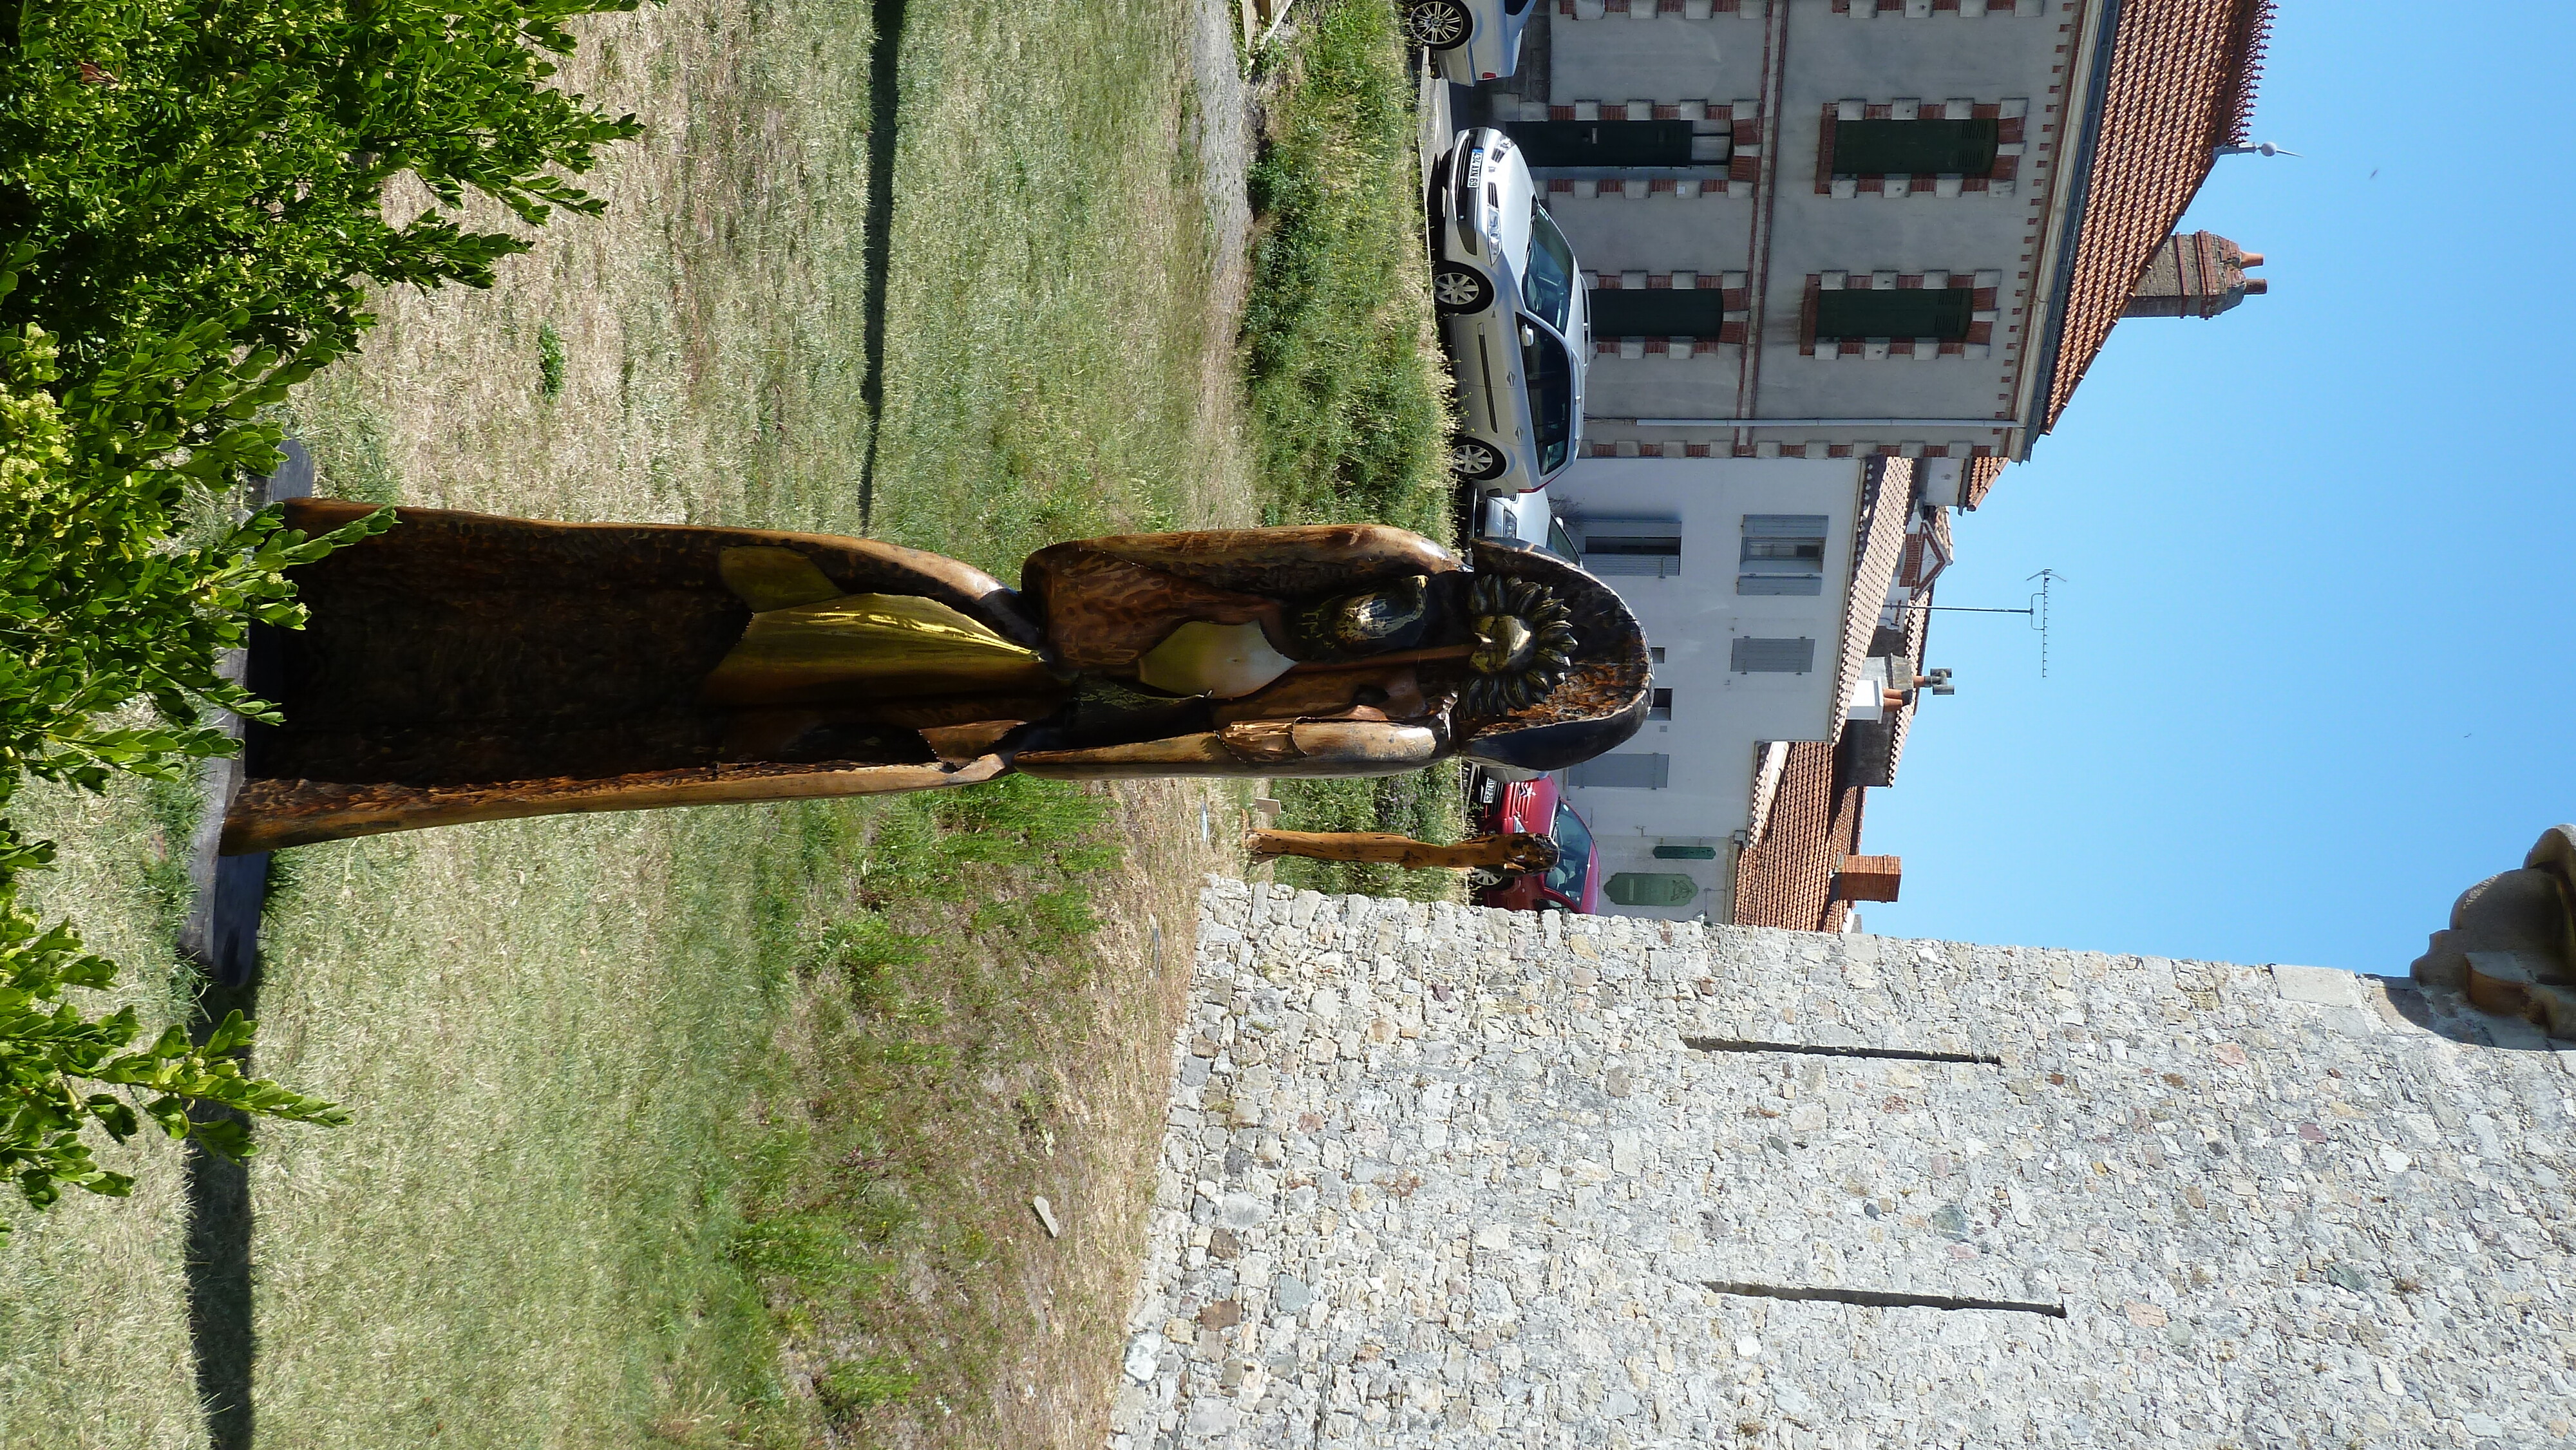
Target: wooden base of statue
{"type": "Point", "coordinates": [1517, 852]}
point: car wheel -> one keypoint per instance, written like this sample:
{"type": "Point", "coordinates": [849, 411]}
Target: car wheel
{"type": "Point", "coordinates": [1460, 289]}
{"type": "Point", "coordinates": [1438, 24]}
{"type": "Point", "coordinates": [1476, 460]}
{"type": "Point", "coordinates": [1480, 878]}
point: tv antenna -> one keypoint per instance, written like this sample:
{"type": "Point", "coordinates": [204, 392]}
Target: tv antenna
{"type": "Point", "coordinates": [2036, 612]}
{"type": "Point", "coordinates": [2039, 614]}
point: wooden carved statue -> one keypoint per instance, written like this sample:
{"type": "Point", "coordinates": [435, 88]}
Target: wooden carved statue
{"type": "Point", "coordinates": [1489, 859]}
{"type": "Point", "coordinates": [464, 667]}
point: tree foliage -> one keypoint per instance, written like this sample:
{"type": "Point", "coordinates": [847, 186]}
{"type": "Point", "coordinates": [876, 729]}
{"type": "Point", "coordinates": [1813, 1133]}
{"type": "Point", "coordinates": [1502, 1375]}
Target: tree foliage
{"type": "Point", "coordinates": [176, 161]}
{"type": "Point", "coordinates": [100, 606]}
{"type": "Point", "coordinates": [62, 1071]}
{"type": "Point", "coordinates": [194, 202]}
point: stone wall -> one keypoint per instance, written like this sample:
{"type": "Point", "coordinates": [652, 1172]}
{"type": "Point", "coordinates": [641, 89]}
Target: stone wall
{"type": "Point", "coordinates": [1444, 1177]}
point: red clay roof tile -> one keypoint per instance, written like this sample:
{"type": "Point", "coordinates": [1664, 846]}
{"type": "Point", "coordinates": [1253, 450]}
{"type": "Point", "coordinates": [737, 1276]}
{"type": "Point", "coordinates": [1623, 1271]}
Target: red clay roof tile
{"type": "Point", "coordinates": [2181, 84]}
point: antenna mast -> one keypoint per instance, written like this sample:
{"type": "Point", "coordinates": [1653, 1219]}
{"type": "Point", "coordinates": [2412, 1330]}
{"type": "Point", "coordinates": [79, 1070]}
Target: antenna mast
{"type": "Point", "coordinates": [2038, 613]}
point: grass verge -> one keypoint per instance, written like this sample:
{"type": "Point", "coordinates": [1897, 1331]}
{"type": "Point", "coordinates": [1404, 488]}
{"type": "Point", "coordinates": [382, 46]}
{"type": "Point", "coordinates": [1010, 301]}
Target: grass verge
{"type": "Point", "coordinates": [1348, 393]}
{"type": "Point", "coordinates": [598, 1075]}
{"type": "Point", "coordinates": [1347, 388]}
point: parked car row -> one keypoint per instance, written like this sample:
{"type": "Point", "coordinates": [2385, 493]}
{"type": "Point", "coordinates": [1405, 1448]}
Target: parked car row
{"type": "Point", "coordinates": [1516, 327]}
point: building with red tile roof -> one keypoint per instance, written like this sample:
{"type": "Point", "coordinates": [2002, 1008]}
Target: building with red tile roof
{"type": "Point", "coordinates": [1858, 228]}
{"type": "Point", "coordinates": [1895, 230]}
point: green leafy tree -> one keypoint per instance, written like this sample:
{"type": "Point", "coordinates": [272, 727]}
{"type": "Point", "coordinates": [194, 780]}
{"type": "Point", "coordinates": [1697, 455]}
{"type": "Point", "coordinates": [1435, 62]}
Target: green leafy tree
{"type": "Point", "coordinates": [193, 201]}
{"type": "Point", "coordinates": [174, 161]}
{"type": "Point", "coordinates": [100, 606]}
{"type": "Point", "coordinates": [62, 1072]}
{"type": "Point", "coordinates": [104, 610]}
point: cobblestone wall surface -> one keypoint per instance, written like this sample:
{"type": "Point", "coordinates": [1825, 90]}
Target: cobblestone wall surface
{"type": "Point", "coordinates": [1444, 1177]}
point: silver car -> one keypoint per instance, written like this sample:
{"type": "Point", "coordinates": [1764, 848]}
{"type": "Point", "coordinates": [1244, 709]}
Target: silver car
{"type": "Point", "coordinates": [1469, 40]}
{"type": "Point", "coordinates": [1512, 316]}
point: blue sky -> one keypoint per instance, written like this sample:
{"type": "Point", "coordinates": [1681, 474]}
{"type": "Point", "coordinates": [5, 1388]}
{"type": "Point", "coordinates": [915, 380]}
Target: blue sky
{"type": "Point", "coordinates": [2312, 671]}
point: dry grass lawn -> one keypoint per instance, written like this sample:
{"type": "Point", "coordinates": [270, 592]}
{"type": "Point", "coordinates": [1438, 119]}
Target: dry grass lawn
{"type": "Point", "coordinates": [722, 1126]}
{"type": "Point", "coordinates": [590, 1058]}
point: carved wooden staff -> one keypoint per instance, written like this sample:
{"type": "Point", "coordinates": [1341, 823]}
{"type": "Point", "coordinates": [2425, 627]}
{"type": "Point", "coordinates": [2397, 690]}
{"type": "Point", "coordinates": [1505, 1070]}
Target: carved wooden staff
{"type": "Point", "coordinates": [1513, 852]}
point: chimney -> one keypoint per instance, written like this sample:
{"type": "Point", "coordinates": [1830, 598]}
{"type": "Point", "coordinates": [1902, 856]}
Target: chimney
{"type": "Point", "coordinates": [1869, 878]}
{"type": "Point", "coordinates": [2195, 274]}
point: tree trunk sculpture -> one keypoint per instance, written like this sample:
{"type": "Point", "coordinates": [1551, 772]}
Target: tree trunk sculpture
{"type": "Point", "coordinates": [463, 667]}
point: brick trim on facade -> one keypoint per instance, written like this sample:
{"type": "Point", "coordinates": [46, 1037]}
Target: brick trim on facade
{"type": "Point", "coordinates": [1735, 300]}
{"type": "Point", "coordinates": [1643, 9]}
{"type": "Point", "coordinates": [1743, 122]}
{"type": "Point", "coordinates": [1982, 455]}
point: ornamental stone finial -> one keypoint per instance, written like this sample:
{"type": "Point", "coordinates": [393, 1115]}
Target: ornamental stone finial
{"type": "Point", "coordinates": [2511, 945]}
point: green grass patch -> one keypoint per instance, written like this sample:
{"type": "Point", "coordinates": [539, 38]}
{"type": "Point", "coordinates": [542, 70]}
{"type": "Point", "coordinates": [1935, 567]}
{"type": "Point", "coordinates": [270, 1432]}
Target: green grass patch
{"type": "Point", "coordinates": [685, 1127]}
{"type": "Point", "coordinates": [1347, 387]}
{"type": "Point", "coordinates": [1348, 393]}
{"type": "Point", "coordinates": [898, 1195]}
{"type": "Point", "coordinates": [1045, 378]}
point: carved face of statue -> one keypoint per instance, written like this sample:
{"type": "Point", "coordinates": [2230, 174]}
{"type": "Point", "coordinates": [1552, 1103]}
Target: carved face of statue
{"type": "Point", "coordinates": [1523, 644]}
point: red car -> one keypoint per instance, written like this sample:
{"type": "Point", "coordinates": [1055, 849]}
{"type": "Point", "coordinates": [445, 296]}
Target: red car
{"type": "Point", "coordinates": [1574, 883]}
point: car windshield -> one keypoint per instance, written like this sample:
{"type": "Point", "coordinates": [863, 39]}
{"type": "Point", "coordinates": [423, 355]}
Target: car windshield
{"type": "Point", "coordinates": [1547, 293]}
{"type": "Point", "coordinates": [1549, 369]}
{"type": "Point", "coordinates": [1573, 854]}
{"type": "Point", "coordinates": [1560, 543]}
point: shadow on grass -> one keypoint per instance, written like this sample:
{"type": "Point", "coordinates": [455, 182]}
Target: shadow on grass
{"type": "Point", "coordinates": [220, 1332]}
{"type": "Point", "coordinates": [877, 241]}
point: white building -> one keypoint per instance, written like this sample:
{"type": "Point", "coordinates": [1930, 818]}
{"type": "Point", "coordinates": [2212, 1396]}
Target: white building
{"type": "Point", "coordinates": [1766, 583]}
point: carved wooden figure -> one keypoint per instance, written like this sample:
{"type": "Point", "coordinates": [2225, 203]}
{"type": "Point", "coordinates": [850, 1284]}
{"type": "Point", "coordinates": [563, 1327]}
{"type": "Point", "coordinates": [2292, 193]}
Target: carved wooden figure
{"type": "Point", "coordinates": [1513, 853]}
{"type": "Point", "coordinates": [465, 667]}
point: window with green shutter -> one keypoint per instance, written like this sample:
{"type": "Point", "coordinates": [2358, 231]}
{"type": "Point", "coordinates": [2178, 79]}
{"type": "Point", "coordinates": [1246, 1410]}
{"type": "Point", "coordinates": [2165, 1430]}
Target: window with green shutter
{"type": "Point", "coordinates": [1657, 311]}
{"type": "Point", "coordinates": [1854, 312]}
{"type": "Point", "coordinates": [1915, 148]}
{"type": "Point", "coordinates": [1604, 143]}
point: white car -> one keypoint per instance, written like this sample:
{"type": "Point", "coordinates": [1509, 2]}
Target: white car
{"type": "Point", "coordinates": [1512, 316]}
{"type": "Point", "coordinates": [1469, 40]}
{"type": "Point", "coordinates": [1528, 518]}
